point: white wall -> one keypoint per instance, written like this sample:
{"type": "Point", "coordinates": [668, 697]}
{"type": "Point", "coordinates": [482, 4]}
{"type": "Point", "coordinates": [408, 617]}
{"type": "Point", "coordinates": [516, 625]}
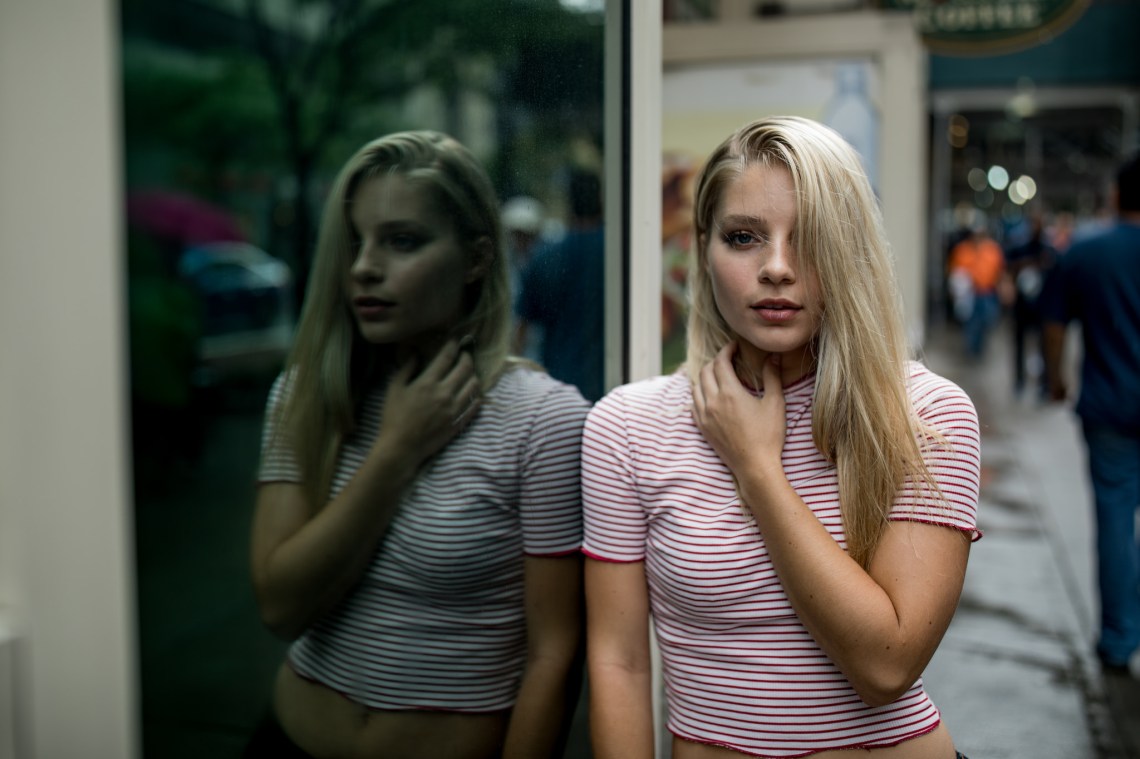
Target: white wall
{"type": "Point", "coordinates": [892, 41]}
{"type": "Point", "coordinates": [65, 557]}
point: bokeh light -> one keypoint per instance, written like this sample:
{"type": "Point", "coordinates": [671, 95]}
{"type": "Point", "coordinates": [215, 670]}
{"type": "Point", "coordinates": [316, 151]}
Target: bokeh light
{"type": "Point", "coordinates": [998, 178]}
{"type": "Point", "coordinates": [977, 179]}
{"type": "Point", "coordinates": [958, 131]}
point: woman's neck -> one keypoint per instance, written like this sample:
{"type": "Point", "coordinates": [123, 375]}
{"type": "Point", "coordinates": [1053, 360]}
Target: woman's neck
{"type": "Point", "coordinates": [794, 364]}
{"type": "Point", "coordinates": [386, 359]}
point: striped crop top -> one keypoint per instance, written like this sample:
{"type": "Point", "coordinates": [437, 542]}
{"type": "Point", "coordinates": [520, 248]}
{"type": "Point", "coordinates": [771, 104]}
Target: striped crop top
{"type": "Point", "coordinates": [437, 621]}
{"type": "Point", "coordinates": [740, 669]}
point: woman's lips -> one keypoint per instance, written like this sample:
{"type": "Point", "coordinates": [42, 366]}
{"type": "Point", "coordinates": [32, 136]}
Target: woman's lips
{"type": "Point", "coordinates": [370, 309]}
{"type": "Point", "coordinates": [776, 310]}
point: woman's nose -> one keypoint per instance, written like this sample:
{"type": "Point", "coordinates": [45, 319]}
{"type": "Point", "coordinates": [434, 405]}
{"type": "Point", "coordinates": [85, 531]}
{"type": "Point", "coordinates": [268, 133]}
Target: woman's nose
{"type": "Point", "coordinates": [368, 266]}
{"type": "Point", "coordinates": [778, 264]}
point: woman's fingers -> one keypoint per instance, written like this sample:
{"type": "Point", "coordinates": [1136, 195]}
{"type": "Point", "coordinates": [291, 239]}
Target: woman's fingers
{"type": "Point", "coordinates": [706, 387]}
{"type": "Point", "coordinates": [462, 369]}
{"type": "Point", "coordinates": [722, 366]}
{"type": "Point", "coordinates": [443, 362]}
{"type": "Point", "coordinates": [470, 399]}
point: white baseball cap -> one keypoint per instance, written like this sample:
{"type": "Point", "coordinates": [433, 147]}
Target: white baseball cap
{"type": "Point", "coordinates": [522, 214]}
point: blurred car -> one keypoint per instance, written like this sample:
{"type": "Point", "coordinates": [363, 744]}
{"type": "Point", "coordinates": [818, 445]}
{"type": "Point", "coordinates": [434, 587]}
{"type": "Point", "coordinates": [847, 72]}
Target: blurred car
{"type": "Point", "coordinates": [247, 310]}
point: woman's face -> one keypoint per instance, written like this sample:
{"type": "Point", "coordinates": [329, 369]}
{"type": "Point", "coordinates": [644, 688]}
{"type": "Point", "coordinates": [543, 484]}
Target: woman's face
{"type": "Point", "coordinates": [407, 282]}
{"type": "Point", "coordinates": [760, 289]}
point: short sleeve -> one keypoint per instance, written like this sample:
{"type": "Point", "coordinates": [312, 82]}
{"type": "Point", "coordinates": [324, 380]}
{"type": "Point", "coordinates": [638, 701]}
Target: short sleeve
{"type": "Point", "coordinates": [953, 459]}
{"type": "Point", "coordinates": [278, 461]}
{"type": "Point", "coordinates": [550, 497]}
{"type": "Point", "coordinates": [614, 520]}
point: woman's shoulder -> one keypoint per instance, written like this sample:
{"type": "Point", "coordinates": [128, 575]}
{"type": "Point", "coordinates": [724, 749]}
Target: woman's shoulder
{"type": "Point", "coordinates": [648, 398]}
{"type": "Point", "coordinates": [521, 383]}
{"type": "Point", "coordinates": [281, 388]}
{"type": "Point", "coordinates": [931, 393]}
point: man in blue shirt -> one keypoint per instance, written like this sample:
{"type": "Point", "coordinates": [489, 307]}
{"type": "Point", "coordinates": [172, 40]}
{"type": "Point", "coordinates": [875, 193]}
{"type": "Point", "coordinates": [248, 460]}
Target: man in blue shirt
{"type": "Point", "coordinates": [563, 291]}
{"type": "Point", "coordinates": [1098, 283]}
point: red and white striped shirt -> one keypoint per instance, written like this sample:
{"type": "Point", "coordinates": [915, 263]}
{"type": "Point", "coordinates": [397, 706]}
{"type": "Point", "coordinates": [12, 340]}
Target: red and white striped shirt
{"type": "Point", "coordinates": [437, 621]}
{"type": "Point", "coordinates": [740, 669]}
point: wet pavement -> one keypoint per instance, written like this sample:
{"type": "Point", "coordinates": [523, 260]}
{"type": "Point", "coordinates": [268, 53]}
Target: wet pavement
{"type": "Point", "coordinates": [1016, 675]}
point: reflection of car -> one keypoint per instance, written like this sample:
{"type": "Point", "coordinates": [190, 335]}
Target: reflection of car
{"type": "Point", "coordinates": [247, 309]}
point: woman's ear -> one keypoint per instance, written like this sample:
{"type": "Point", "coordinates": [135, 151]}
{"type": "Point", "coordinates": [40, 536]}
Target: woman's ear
{"type": "Point", "coordinates": [482, 255]}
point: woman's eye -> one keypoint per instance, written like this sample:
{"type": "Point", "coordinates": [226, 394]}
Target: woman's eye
{"type": "Point", "coordinates": [740, 239]}
{"type": "Point", "coordinates": [404, 242]}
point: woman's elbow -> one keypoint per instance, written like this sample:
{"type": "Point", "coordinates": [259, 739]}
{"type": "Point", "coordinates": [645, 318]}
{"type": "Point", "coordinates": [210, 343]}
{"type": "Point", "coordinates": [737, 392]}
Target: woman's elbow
{"type": "Point", "coordinates": [281, 620]}
{"type": "Point", "coordinates": [282, 629]}
{"type": "Point", "coordinates": [559, 661]}
{"type": "Point", "coordinates": [883, 686]}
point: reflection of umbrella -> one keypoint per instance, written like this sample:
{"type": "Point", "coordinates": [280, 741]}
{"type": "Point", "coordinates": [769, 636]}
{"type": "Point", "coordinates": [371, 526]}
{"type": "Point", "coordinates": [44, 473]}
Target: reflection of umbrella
{"type": "Point", "coordinates": [182, 219]}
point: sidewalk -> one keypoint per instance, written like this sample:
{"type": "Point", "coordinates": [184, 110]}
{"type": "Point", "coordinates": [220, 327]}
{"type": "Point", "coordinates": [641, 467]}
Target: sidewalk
{"type": "Point", "coordinates": [1016, 675]}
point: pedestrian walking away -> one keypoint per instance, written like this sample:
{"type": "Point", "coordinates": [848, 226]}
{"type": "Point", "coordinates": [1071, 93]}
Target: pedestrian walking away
{"type": "Point", "coordinates": [978, 263]}
{"type": "Point", "coordinates": [1097, 282]}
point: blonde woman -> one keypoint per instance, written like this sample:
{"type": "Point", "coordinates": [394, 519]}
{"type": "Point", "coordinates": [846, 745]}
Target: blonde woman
{"type": "Point", "coordinates": [418, 512]}
{"type": "Point", "coordinates": [795, 506]}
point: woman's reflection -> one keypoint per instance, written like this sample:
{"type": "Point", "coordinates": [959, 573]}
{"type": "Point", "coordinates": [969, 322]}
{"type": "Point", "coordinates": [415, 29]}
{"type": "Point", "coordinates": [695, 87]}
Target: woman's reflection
{"type": "Point", "coordinates": [418, 518]}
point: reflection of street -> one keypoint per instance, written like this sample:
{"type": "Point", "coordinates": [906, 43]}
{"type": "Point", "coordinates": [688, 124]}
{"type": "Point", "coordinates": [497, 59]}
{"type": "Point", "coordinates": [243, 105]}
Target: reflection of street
{"type": "Point", "coordinates": [206, 661]}
{"type": "Point", "coordinates": [1016, 675]}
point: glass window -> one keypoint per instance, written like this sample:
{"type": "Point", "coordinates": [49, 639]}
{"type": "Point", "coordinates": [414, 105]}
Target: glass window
{"type": "Point", "coordinates": [237, 117]}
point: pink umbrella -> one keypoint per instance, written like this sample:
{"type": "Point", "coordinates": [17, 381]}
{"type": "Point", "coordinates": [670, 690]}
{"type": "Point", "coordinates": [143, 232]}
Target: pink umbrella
{"type": "Point", "coordinates": [180, 218]}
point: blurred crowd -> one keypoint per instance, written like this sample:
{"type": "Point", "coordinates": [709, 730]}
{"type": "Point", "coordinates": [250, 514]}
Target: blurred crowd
{"type": "Point", "coordinates": [995, 271]}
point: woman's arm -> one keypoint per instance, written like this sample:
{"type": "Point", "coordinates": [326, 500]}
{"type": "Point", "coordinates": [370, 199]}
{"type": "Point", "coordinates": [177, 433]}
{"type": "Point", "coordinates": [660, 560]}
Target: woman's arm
{"type": "Point", "coordinates": [617, 614]}
{"type": "Point", "coordinates": [880, 626]}
{"type": "Point", "coordinates": [304, 559]}
{"type": "Point", "coordinates": [304, 563]}
{"type": "Point", "coordinates": [554, 633]}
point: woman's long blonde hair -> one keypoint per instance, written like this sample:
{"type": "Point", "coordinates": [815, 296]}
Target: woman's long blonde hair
{"type": "Point", "coordinates": [330, 364]}
{"type": "Point", "coordinates": [862, 418]}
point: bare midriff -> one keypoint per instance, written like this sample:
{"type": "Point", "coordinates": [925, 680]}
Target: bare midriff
{"type": "Point", "coordinates": [933, 745]}
{"type": "Point", "coordinates": [330, 726]}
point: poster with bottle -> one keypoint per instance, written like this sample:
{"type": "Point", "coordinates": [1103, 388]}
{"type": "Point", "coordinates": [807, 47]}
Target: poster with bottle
{"type": "Point", "coordinates": [702, 104]}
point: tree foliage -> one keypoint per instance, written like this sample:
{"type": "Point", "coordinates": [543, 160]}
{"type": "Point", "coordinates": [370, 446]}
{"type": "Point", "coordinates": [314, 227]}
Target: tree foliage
{"type": "Point", "coordinates": [291, 86]}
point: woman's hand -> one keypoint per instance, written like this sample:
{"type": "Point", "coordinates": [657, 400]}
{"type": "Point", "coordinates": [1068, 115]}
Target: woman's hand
{"type": "Point", "coordinates": [746, 432]}
{"type": "Point", "coordinates": [424, 411]}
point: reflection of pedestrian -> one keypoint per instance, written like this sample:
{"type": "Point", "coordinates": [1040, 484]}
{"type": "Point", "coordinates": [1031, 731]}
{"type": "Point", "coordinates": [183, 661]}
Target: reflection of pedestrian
{"type": "Point", "coordinates": [795, 506]}
{"type": "Point", "coordinates": [418, 512]}
{"type": "Point", "coordinates": [1098, 283]}
{"type": "Point", "coordinates": [979, 258]}
{"type": "Point", "coordinates": [1027, 265]}
{"type": "Point", "coordinates": [523, 218]}
{"type": "Point", "coordinates": [563, 293]}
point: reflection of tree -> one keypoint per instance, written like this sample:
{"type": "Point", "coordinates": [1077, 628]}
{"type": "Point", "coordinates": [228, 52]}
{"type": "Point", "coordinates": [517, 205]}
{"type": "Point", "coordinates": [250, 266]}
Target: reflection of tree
{"type": "Point", "coordinates": [266, 85]}
{"type": "Point", "coordinates": [312, 77]}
